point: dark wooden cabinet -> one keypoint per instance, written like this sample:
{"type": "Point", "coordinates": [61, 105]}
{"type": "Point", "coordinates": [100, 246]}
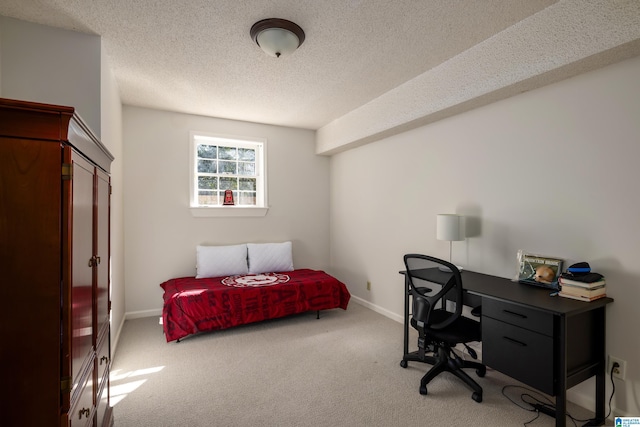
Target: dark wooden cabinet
{"type": "Point", "coordinates": [54, 268]}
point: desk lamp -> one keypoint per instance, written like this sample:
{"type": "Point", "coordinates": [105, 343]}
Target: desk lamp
{"type": "Point", "coordinates": [450, 227]}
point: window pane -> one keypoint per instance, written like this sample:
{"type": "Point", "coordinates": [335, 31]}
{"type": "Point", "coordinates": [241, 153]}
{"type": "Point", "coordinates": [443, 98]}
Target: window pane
{"type": "Point", "coordinates": [247, 154]}
{"type": "Point", "coordinates": [222, 163]}
{"type": "Point", "coordinates": [228, 183]}
{"type": "Point", "coordinates": [207, 151]}
{"type": "Point", "coordinates": [247, 198]}
{"type": "Point", "coordinates": [207, 166]}
{"type": "Point", "coordinates": [248, 184]}
{"type": "Point", "coordinates": [208, 198]}
{"type": "Point", "coordinates": [228, 153]}
{"type": "Point", "coordinates": [228, 167]}
{"type": "Point", "coordinates": [207, 183]}
{"type": "Point", "coordinates": [246, 168]}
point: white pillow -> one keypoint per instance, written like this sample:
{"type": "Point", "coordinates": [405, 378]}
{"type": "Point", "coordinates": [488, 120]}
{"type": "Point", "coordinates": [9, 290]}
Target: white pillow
{"type": "Point", "coordinates": [269, 257]}
{"type": "Point", "coordinates": [217, 261]}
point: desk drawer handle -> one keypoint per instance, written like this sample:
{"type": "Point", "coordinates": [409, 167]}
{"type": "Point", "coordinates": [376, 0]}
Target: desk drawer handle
{"type": "Point", "coordinates": [513, 313]}
{"type": "Point", "coordinates": [520, 343]}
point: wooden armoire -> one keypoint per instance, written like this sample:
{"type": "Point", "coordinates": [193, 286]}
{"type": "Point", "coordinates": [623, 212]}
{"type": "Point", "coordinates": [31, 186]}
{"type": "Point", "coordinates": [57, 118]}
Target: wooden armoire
{"type": "Point", "coordinates": [55, 194]}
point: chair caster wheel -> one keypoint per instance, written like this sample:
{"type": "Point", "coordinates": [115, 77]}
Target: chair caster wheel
{"type": "Point", "coordinates": [423, 390]}
{"type": "Point", "coordinates": [477, 397]}
{"type": "Point", "coordinates": [403, 363]}
{"type": "Point", "coordinates": [481, 371]}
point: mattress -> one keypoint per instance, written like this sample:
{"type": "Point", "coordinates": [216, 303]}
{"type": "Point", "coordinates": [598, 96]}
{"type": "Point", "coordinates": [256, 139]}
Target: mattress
{"type": "Point", "coordinates": [198, 305]}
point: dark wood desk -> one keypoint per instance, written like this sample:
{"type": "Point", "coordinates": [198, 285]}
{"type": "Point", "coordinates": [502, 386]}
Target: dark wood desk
{"type": "Point", "coordinates": [547, 342]}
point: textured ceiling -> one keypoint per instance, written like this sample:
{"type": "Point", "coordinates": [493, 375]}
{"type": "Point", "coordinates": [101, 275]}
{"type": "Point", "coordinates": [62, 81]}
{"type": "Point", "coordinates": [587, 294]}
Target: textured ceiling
{"type": "Point", "coordinates": [565, 39]}
{"type": "Point", "coordinates": [367, 69]}
{"type": "Point", "coordinates": [197, 56]}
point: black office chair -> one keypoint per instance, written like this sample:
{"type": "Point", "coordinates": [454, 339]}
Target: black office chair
{"type": "Point", "coordinates": [437, 316]}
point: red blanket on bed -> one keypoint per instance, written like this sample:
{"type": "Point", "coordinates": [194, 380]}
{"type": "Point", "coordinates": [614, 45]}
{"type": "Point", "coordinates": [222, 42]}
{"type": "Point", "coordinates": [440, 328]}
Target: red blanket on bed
{"type": "Point", "coordinates": [196, 305]}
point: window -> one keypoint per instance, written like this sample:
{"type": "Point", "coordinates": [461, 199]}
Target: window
{"type": "Point", "coordinates": [221, 163]}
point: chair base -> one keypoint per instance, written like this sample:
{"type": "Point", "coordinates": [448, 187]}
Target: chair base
{"type": "Point", "coordinates": [417, 357]}
{"type": "Point", "coordinates": [442, 362]}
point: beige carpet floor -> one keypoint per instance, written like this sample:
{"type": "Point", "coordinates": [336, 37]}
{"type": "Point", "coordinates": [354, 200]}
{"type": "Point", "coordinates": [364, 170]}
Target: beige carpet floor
{"type": "Point", "coordinates": [340, 370]}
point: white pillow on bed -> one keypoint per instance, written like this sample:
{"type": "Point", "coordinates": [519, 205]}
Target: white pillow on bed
{"type": "Point", "coordinates": [270, 257]}
{"type": "Point", "coordinates": [217, 261]}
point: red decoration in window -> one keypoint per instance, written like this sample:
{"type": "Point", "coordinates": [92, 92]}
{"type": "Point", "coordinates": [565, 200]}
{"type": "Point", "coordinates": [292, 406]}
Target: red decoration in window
{"type": "Point", "coordinates": [228, 197]}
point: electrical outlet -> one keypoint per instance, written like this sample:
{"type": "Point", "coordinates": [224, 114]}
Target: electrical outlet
{"type": "Point", "coordinates": [368, 285]}
{"type": "Point", "coordinates": [619, 371]}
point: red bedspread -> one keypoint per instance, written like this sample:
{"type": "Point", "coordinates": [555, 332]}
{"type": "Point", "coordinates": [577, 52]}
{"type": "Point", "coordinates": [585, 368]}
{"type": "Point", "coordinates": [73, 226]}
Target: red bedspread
{"type": "Point", "coordinates": [196, 305]}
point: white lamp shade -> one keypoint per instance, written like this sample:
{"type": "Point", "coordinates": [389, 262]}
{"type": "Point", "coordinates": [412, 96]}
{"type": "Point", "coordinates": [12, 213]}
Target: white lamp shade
{"type": "Point", "coordinates": [278, 41]}
{"type": "Point", "coordinates": [450, 227]}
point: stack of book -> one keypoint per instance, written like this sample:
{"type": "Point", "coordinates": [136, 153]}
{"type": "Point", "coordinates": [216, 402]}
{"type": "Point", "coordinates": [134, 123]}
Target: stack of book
{"type": "Point", "coordinates": [581, 290]}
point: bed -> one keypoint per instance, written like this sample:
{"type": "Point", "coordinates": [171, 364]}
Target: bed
{"type": "Point", "coordinates": [196, 305]}
{"type": "Point", "coordinates": [258, 283]}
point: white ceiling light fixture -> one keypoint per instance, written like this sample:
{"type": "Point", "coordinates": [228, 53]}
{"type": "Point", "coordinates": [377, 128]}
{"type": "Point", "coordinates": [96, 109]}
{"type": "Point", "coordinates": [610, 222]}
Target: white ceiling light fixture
{"type": "Point", "coordinates": [277, 37]}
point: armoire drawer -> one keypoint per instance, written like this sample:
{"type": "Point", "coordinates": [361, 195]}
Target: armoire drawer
{"type": "Point", "coordinates": [81, 414]}
{"type": "Point", "coordinates": [102, 358]}
{"type": "Point", "coordinates": [102, 401]}
{"type": "Point", "coordinates": [519, 353]}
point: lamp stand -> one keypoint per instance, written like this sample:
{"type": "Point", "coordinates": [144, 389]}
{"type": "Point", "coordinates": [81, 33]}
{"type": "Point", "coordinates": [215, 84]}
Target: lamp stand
{"type": "Point", "coordinates": [450, 227]}
{"type": "Point", "coordinates": [447, 269]}
{"type": "Point", "coordinates": [444, 268]}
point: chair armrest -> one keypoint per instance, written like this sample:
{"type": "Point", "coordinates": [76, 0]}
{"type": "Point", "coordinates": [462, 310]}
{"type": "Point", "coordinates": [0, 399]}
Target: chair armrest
{"type": "Point", "coordinates": [423, 290]}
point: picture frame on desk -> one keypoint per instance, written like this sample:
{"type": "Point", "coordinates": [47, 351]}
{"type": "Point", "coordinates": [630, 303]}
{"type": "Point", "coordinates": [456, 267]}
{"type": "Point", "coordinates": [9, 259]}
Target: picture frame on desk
{"type": "Point", "coordinates": [539, 270]}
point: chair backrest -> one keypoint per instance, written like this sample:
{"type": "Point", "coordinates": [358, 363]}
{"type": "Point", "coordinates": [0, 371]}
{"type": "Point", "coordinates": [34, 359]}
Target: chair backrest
{"type": "Point", "coordinates": [424, 271]}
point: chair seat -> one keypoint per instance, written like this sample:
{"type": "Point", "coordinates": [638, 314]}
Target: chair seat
{"type": "Point", "coordinates": [460, 331]}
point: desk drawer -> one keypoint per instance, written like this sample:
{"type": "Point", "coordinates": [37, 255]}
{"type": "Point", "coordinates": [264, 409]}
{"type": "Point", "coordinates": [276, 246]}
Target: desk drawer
{"type": "Point", "coordinates": [521, 354]}
{"type": "Point", "coordinates": [527, 318]}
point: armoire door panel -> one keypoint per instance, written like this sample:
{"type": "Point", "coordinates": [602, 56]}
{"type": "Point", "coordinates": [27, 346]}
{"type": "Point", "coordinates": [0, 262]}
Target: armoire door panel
{"type": "Point", "coordinates": [102, 250]}
{"type": "Point", "coordinates": [82, 270]}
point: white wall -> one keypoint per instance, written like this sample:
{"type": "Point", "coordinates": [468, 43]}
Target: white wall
{"type": "Point", "coordinates": [553, 171]}
{"type": "Point", "coordinates": [161, 235]}
{"type": "Point", "coordinates": [53, 66]}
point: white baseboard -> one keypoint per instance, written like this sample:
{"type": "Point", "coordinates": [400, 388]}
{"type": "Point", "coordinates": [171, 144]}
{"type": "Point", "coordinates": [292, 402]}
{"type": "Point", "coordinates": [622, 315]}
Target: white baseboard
{"type": "Point", "coordinates": [587, 401]}
{"type": "Point", "coordinates": [391, 315]}
{"type": "Point", "coordinates": [581, 399]}
{"type": "Point", "coordinates": [116, 338]}
{"type": "Point", "coordinates": [143, 313]}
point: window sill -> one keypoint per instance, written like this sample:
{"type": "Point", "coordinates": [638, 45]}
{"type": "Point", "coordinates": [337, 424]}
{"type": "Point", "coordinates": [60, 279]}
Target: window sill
{"type": "Point", "coordinates": [220, 212]}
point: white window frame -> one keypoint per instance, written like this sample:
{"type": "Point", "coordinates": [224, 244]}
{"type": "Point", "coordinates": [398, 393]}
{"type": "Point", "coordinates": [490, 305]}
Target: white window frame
{"type": "Point", "coordinates": [260, 144]}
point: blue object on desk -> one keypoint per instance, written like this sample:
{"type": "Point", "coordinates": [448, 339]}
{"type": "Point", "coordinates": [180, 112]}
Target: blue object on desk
{"type": "Point", "coordinates": [579, 268]}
